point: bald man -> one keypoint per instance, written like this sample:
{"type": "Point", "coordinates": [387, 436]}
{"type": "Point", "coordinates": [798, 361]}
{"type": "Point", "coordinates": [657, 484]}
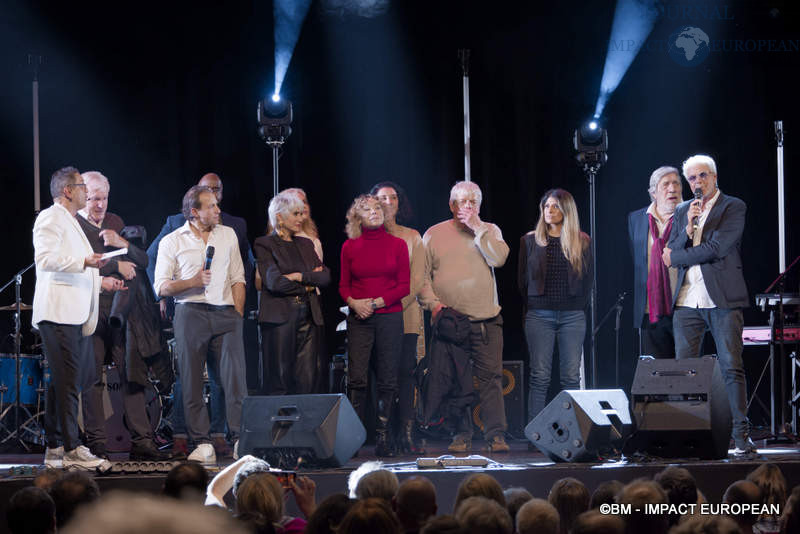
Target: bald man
{"type": "Point", "coordinates": [414, 503]}
{"type": "Point", "coordinates": [217, 399]}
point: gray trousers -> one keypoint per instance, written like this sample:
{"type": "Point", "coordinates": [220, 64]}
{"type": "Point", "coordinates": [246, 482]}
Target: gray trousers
{"type": "Point", "coordinates": [486, 351]}
{"type": "Point", "coordinates": [213, 333]}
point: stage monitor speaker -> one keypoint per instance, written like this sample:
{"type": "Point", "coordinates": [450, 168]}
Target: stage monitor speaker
{"type": "Point", "coordinates": [291, 431]}
{"type": "Point", "coordinates": [513, 399]}
{"type": "Point", "coordinates": [580, 425]}
{"type": "Point", "coordinates": [681, 409]}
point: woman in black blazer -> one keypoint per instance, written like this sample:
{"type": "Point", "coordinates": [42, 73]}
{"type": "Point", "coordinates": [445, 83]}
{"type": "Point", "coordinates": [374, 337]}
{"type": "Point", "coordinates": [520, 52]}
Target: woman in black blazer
{"type": "Point", "coordinates": [289, 307]}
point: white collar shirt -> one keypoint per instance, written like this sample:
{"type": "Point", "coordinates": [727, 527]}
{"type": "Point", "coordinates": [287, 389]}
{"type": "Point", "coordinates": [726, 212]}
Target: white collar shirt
{"type": "Point", "coordinates": [693, 293]}
{"type": "Point", "coordinates": [181, 255]}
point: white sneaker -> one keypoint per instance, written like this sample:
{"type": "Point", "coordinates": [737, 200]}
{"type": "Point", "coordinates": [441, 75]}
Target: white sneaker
{"type": "Point", "coordinates": [203, 454]}
{"type": "Point", "coordinates": [54, 457]}
{"type": "Point", "coordinates": [236, 450]}
{"type": "Point", "coordinates": [82, 457]}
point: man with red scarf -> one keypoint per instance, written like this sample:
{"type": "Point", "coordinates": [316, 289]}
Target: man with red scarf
{"type": "Point", "coordinates": [654, 282]}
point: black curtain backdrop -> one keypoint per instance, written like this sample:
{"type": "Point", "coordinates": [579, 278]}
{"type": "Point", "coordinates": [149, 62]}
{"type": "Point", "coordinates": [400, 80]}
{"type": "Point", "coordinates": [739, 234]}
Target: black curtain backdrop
{"type": "Point", "coordinates": [155, 95]}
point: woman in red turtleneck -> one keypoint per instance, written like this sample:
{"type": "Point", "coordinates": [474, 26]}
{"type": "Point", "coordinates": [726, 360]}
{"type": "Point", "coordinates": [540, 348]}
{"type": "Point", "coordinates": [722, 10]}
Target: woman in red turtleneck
{"type": "Point", "coordinates": [374, 279]}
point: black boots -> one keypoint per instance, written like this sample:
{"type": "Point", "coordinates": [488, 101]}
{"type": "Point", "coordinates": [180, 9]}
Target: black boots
{"type": "Point", "coordinates": [407, 443]}
{"type": "Point", "coordinates": [383, 442]}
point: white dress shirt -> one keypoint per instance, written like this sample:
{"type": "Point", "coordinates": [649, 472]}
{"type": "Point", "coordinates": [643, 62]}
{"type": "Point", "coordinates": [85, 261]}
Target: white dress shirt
{"type": "Point", "coordinates": [693, 293]}
{"type": "Point", "coordinates": [182, 254]}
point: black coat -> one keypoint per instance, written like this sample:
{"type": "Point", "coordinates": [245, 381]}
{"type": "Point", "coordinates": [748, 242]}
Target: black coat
{"type": "Point", "coordinates": [273, 261]}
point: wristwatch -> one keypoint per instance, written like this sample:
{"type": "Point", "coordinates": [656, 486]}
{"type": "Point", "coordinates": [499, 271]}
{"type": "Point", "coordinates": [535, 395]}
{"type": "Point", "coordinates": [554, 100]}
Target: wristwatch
{"type": "Point", "coordinates": [374, 306]}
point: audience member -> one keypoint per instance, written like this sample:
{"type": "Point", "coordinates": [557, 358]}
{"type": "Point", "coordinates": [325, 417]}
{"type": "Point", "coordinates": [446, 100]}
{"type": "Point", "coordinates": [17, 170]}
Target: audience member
{"type": "Point", "coordinates": [515, 498]}
{"type": "Point", "coordinates": [45, 479]}
{"type": "Point", "coordinates": [443, 524]}
{"type": "Point", "coordinates": [571, 498]}
{"type": "Point", "coordinates": [329, 514]}
{"type": "Point", "coordinates": [771, 482]}
{"type": "Point", "coordinates": [537, 516]}
{"type": "Point", "coordinates": [595, 522]}
{"type": "Point", "coordinates": [480, 515]}
{"type": "Point", "coordinates": [743, 492]}
{"type": "Point", "coordinates": [370, 515]}
{"type": "Point", "coordinates": [480, 485]}
{"type": "Point", "coordinates": [31, 511]}
{"type": "Point", "coordinates": [605, 493]}
{"type": "Point", "coordinates": [680, 487]}
{"type": "Point", "coordinates": [706, 524]}
{"type": "Point", "coordinates": [126, 513]}
{"type": "Point", "coordinates": [380, 484]}
{"type": "Point", "coordinates": [186, 481]}
{"type": "Point", "coordinates": [261, 496]}
{"type": "Point", "coordinates": [70, 492]}
{"type": "Point", "coordinates": [637, 494]}
{"type": "Point", "coordinates": [790, 518]}
{"type": "Point", "coordinates": [414, 503]}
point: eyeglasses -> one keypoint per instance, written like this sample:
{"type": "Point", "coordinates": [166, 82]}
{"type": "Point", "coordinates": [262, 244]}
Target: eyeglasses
{"type": "Point", "coordinates": [216, 189]}
{"type": "Point", "coordinates": [77, 185]}
{"type": "Point", "coordinates": [692, 178]}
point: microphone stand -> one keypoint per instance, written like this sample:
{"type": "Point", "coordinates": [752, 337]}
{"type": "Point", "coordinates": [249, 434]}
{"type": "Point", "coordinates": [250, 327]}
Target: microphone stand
{"type": "Point", "coordinates": [617, 306]}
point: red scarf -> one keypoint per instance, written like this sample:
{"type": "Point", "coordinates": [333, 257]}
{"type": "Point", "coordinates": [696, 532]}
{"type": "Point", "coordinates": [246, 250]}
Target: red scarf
{"type": "Point", "coordinates": [659, 296]}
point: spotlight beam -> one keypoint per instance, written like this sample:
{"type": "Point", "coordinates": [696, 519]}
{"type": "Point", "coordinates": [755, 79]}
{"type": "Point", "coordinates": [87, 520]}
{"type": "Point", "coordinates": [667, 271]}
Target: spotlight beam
{"type": "Point", "coordinates": [288, 16]}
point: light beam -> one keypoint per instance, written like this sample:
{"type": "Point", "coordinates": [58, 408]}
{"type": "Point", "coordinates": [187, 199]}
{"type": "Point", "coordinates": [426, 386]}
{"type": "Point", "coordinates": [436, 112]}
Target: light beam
{"type": "Point", "coordinates": [288, 16]}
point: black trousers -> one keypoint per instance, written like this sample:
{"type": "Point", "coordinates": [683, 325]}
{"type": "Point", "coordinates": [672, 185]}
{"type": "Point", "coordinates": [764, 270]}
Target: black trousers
{"type": "Point", "coordinates": [69, 357]}
{"type": "Point", "coordinates": [290, 353]}
{"type": "Point", "coordinates": [405, 379]}
{"type": "Point", "coordinates": [658, 339]}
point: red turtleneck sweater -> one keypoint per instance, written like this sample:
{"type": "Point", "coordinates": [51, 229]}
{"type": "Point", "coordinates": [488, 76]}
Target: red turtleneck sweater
{"type": "Point", "coordinates": [375, 265]}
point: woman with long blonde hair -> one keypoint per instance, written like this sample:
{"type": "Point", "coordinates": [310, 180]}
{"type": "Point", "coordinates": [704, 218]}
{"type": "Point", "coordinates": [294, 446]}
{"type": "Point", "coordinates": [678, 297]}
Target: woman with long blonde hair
{"type": "Point", "coordinates": [555, 279]}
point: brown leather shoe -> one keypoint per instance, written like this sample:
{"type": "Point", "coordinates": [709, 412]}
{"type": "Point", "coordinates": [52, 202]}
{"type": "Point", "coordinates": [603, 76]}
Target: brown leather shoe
{"type": "Point", "coordinates": [180, 448]}
{"type": "Point", "coordinates": [221, 447]}
{"type": "Point", "coordinates": [460, 444]}
{"type": "Point", "coordinates": [498, 444]}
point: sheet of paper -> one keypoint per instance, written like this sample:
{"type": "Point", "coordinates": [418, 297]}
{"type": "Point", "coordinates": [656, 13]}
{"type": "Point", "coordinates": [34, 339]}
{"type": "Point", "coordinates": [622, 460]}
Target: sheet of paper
{"type": "Point", "coordinates": [118, 252]}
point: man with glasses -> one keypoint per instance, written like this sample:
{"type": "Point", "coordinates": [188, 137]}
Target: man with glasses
{"type": "Point", "coordinates": [65, 305]}
{"type": "Point", "coordinates": [460, 257]}
{"type": "Point", "coordinates": [705, 246]}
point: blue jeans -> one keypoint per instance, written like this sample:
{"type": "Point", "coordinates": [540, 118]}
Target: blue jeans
{"type": "Point", "coordinates": [216, 405]}
{"type": "Point", "coordinates": [690, 325]}
{"type": "Point", "coordinates": [542, 329]}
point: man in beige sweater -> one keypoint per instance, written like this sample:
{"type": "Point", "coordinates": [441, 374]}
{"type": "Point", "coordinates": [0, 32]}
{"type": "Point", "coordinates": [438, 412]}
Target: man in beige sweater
{"type": "Point", "coordinates": [460, 257]}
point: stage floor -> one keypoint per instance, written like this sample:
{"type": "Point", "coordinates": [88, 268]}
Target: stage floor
{"type": "Point", "coordinates": [519, 467]}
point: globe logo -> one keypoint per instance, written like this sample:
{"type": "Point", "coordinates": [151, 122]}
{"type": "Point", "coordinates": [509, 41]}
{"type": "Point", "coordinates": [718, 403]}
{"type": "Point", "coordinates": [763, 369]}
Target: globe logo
{"type": "Point", "coordinates": [689, 46]}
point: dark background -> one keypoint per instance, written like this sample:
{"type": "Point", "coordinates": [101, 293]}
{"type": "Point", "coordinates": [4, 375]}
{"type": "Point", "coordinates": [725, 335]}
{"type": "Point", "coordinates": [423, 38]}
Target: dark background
{"type": "Point", "coordinates": [155, 95]}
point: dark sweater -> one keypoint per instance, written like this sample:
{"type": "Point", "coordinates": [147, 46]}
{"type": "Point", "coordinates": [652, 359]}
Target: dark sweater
{"type": "Point", "coordinates": [375, 265]}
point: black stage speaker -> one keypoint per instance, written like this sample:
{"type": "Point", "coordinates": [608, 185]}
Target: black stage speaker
{"type": "Point", "coordinates": [681, 409]}
{"type": "Point", "coordinates": [513, 399]}
{"type": "Point", "coordinates": [291, 431]}
{"type": "Point", "coordinates": [579, 425]}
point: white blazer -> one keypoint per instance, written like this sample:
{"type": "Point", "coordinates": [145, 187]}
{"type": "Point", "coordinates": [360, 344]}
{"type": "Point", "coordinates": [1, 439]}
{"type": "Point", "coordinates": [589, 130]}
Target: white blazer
{"type": "Point", "coordinates": [66, 293]}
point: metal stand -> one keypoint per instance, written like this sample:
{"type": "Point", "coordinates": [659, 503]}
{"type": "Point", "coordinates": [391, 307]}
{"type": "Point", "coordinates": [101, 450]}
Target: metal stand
{"type": "Point", "coordinates": [276, 145]}
{"type": "Point", "coordinates": [618, 308]}
{"type": "Point", "coordinates": [590, 168]}
{"type": "Point", "coordinates": [463, 58]}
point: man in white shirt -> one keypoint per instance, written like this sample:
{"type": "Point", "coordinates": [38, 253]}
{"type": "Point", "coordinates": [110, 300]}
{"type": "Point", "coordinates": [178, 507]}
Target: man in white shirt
{"type": "Point", "coordinates": [65, 305]}
{"type": "Point", "coordinates": [208, 312]}
{"type": "Point", "coordinates": [705, 246]}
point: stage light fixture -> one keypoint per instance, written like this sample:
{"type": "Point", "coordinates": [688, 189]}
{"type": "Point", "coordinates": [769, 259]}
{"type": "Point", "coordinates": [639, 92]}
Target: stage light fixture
{"type": "Point", "coordinates": [591, 142]}
{"type": "Point", "coordinates": [276, 97]}
{"type": "Point", "coordinates": [274, 119]}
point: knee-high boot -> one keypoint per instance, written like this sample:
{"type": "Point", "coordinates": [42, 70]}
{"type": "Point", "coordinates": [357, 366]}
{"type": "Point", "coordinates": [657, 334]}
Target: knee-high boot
{"type": "Point", "coordinates": [383, 446]}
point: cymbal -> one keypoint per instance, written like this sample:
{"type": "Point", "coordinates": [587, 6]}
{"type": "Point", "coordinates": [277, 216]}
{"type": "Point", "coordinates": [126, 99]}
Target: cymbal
{"type": "Point", "coordinates": [13, 307]}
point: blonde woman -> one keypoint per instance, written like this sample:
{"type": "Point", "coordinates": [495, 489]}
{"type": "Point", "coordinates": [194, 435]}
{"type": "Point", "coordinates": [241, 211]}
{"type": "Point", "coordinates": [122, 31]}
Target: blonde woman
{"type": "Point", "coordinates": [373, 283]}
{"type": "Point", "coordinates": [555, 278]}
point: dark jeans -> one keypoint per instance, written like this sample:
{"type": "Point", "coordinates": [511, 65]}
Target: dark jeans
{"type": "Point", "coordinates": [486, 351]}
{"type": "Point", "coordinates": [542, 329]}
{"type": "Point", "coordinates": [657, 339]}
{"type": "Point", "coordinates": [726, 328]}
{"type": "Point", "coordinates": [405, 379]}
{"type": "Point", "coordinates": [289, 353]}
{"type": "Point", "coordinates": [212, 335]}
{"type": "Point", "coordinates": [384, 332]}
{"type": "Point", "coordinates": [69, 356]}
{"type": "Point", "coordinates": [104, 339]}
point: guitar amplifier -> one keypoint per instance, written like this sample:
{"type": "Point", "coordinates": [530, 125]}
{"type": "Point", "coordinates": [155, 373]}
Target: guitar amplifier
{"type": "Point", "coordinates": [513, 398]}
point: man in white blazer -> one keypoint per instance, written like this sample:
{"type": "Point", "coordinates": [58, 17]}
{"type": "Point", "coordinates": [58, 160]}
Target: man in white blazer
{"type": "Point", "coordinates": [65, 305]}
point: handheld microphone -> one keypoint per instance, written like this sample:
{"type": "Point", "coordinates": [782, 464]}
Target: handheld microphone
{"type": "Point", "coordinates": [210, 256]}
{"type": "Point", "coordinates": [698, 194]}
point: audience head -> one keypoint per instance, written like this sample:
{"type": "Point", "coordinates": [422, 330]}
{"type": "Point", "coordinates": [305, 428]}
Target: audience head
{"type": "Point", "coordinates": [364, 212]}
{"type": "Point", "coordinates": [31, 511]}
{"type": "Point", "coordinates": [260, 495]}
{"type": "Point", "coordinates": [379, 484]}
{"type": "Point", "coordinates": [394, 201]}
{"type": "Point", "coordinates": [537, 516]}
{"type": "Point", "coordinates": [285, 213]}
{"type": "Point", "coordinates": [370, 515]}
{"type": "Point", "coordinates": [743, 492]}
{"type": "Point", "coordinates": [126, 513]}
{"type": "Point", "coordinates": [594, 522]}
{"type": "Point", "coordinates": [680, 487]}
{"type": "Point", "coordinates": [605, 493]}
{"type": "Point", "coordinates": [515, 498]}
{"type": "Point", "coordinates": [414, 503]}
{"type": "Point", "coordinates": [443, 524]}
{"type": "Point", "coordinates": [70, 492]}
{"type": "Point", "coordinates": [186, 481]}
{"type": "Point", "coordinates": [770, 480]}
{"type": "Point", "coordinates": [706, 524]}
{"type": "Point", "coordinates": [329, 514]}
{"type": "Point", "coordinates": [637, 494]}
{"type": "Point", "coordinates": [46, 478]}
{"type": "Point", "coordinates": [479, 515]}
{"type": "Point", "coordinates": [571, 498]}
{"type": "Point", "coordinates": [480, 485]}
{"type": "Point", "coordinates": [790, 517]}
{"type": "Point", "coordinates": [251, 467]}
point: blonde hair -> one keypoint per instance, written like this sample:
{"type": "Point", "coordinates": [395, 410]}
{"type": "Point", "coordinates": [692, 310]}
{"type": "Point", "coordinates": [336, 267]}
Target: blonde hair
{"type": "Point", "coordinates": [573, 242]}
{"type": "Point", "coordinates": [353, 226]}
{"type": "Point", "coordinates": [309, 226]}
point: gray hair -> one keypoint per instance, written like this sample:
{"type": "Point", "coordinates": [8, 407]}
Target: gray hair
{"type": "Point", "coordinates": [656, 177]}
{"type": "Point", "coordinates": [282, 204]}
{"type": "Point", "coordinates": [94, 176]}
{"type": "Point", "coordinates": [700, 159]}
{"type": "Point", "coordinates": [466, 189]}
{"type": "Point", "coordinates": [381, 484]}
{"type": "Point", "coordinates": [62, 178]}
{"type": "Point", "coordinates": [256, 465]}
